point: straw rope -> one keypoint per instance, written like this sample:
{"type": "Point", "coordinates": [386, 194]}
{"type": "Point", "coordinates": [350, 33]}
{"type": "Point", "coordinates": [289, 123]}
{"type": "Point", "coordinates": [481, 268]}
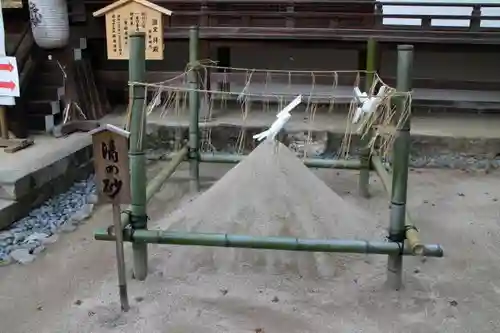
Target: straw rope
{"type": "Point", "coordinates": [169, 98]}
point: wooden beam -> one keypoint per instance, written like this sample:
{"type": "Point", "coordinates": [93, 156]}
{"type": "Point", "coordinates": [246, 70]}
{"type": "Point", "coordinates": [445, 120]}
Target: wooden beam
{"type": "Point", "coordinates": [15, 145]}
{"type": "Point", "coordinates": [95, 30]}
{"type": "Point", "coordinates": [7, 4]}
{"type": "Point", "coordinates": [119, 3]}
{"type": "Point", "coordinates": [431, 83]}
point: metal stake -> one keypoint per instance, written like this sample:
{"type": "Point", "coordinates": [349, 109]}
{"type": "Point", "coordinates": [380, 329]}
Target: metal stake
{"type": "Point", "coordinates": [120, 258]}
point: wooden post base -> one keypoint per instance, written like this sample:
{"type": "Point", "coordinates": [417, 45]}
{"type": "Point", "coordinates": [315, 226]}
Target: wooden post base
{"type": "Point", "coordinates": [74, 126]}
{"type": "Point", "coordinates": [15, 145]}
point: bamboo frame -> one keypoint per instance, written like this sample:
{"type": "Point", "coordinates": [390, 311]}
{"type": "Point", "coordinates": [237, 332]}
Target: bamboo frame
{"type": "Point", "coordinates": [412, 235]}
{"type": "Point", "coordinates": [140, 236]}
{"type": "Point", "coordinates": [401, 157]}
{"type": "Point", "coordinates": [194, 108]}
{"type": "Point", "coordinates": [309, 162]}
{"type": "Point", "coordinates": [137, 73]}
{"type": "Point", "coordinates": [266, 243]}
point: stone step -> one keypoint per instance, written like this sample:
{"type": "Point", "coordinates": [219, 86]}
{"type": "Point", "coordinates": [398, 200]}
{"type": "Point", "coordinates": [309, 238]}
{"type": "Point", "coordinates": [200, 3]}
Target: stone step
{"type": "Point", "coordinates": [44, 107]}
{"type": "Point", "coordinates": [46, 93]}
{"type": "Point", "coordinates": [27, 181]}
{"type": "Point", "coordinates": [7, 212]}
{"type": "Point", "coordinates": [52, 78]}
{"type": "Point", "coordinates": [13, 210]}
{"type": "Point", "coordinates": [50, 66]}
{"type": "Point", "coordinates": [43, 123]}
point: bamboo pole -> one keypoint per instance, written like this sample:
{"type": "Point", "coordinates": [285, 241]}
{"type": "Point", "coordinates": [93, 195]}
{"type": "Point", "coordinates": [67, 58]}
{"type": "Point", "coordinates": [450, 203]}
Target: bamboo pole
{"type": "Point", "coordinates": [364, 172]}
{"type": "Point", "coordinates": [309, 162]}
{"type": "Point", "coordinates": [194, 110]}
{"type": "Point", "coordinates": [412, 236]}
{"type": "Point", "coordinates": [155, 184]}
{"type": "Point", "coordinates": [138, 218]}
{"type": "Point", "coordinates": [268, 243]}
{"type": "Point", "coordinates": [401, 156]}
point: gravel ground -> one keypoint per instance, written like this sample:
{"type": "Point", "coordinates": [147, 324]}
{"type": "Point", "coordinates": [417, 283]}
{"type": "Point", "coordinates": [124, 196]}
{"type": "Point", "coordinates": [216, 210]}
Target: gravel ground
{"type": "Point", "coordinates": [63, 213]}
{"type": "Point", "coordinates": [454, 294]}
{"type": "Point", "coordinates": [73, 282]}
{"type": "Point", "coordinates": [455, 161]}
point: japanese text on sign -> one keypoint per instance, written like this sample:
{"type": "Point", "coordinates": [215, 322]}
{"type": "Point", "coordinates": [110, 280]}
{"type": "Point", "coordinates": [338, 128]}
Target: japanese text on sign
{"type": "Point", "coordinates": [124, 17]}
{"type": "Point", "coordinates": [116, 34]}
{"type": "Point", "coordinates": [154, 36]}
{"type": "Point", "coordinates": [111, 164]}
{"type": "Point", "coordinates": [111, 184]}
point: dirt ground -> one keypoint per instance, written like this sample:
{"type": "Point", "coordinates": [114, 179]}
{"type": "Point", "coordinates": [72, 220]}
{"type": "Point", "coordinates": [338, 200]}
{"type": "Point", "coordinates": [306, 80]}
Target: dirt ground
{"type": "Point", "coordinates": [72, 286]}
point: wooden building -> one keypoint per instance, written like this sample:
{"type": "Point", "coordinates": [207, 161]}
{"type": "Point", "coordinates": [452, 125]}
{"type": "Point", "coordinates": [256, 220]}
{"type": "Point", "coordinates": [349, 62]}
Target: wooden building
{"type": "Point", "coordinates": [456, 65]}
{"type": "Point", "coordinates": [326, 35]}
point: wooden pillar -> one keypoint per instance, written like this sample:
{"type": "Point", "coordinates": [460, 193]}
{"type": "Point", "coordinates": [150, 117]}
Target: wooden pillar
{"type": "Point", "coordinates": [205, 52]}
{"type": "Point", "coordinates": [205, 98]}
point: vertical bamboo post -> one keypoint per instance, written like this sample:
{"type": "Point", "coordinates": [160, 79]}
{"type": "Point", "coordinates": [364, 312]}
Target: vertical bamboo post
{"type": "Point", "coordinates": [400, 156]}
{"type": "Point", "coordinates": [194, 110]}
{"type": "Point", "coordinates": [364, 172]}
{"type": "Point", "coordinates": [138, 218]}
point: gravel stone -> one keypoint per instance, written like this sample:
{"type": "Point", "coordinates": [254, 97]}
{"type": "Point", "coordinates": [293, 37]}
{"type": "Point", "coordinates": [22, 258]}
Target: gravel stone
{"type": "Point", "coordinates": [82, 214]}
{"type": "Point", "coordinates": [37, 250]}
{"type": "Point", "coordinates": [93, 199]}
{"type": "Point", "coordinates": [28, 236]}
{"type": "Point", "coordinates": [22, 256]}
{"type": "Point", "coordinates": [68, 227]}
{"type": "Point", "coordinates": [50, 240]}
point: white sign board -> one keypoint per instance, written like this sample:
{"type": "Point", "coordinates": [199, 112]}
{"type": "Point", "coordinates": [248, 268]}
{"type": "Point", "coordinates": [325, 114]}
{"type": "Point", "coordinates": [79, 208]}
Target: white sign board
{"type": "Point", "coordinates": [9, 77]}
{"type": "Point", "coordinates": [398, 7]}
{"type": "Point", "coordinates": [4, 100]}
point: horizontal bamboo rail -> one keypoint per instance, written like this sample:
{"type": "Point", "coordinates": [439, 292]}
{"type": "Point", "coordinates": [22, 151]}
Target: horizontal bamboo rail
{"type": "Point", "coordinates": [309, 162]}
{"type": "Point", "coordinates": [267, 243]}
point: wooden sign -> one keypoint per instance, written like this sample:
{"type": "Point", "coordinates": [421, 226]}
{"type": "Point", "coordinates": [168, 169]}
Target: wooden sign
{"type": "Point", "coordinates": [110, 146]}
{"type": "Point", "coordinates": [124, 17]}
{"type": "Point", "coordinates": [12, 4]}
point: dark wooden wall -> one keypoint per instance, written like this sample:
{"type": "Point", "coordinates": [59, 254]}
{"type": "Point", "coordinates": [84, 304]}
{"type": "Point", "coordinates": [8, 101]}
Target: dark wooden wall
{"type": "Point", "coordinates": [309, 20]}
{"type": "Point", "coordinates": [287, 29]}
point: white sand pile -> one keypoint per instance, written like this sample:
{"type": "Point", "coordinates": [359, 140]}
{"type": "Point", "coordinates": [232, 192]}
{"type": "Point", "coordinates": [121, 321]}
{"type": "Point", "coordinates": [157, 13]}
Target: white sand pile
{"type": "Point", "coordinates": [270, 193]}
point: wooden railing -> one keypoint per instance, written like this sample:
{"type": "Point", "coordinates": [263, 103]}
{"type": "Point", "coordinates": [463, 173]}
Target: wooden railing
{"type": "Point", "coordinates": [320, 20]}
{"type": "Point", "coordinates": [292, 16]}
{"type": "Point", "coordinates": [475, 18]}
{"type": "Point", "coordinates": [317, 13]}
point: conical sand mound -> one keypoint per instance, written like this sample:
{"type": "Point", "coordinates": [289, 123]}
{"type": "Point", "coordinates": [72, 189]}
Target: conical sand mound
{"type": "Point", "coordinates": [270, 193]}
